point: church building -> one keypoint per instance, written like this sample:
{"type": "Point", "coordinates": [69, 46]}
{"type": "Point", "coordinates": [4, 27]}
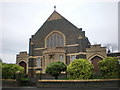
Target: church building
{"type": "Point", "coordinates": [56, 40]}
{"type": "Point", "coordinates": [59, 40]}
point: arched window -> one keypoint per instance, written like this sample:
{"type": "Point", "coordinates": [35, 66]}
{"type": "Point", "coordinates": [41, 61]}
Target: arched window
{"type": "Point", "coordinates": [55, 40]}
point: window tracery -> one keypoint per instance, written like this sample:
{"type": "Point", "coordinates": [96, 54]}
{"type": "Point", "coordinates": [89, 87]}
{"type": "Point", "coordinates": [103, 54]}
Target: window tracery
{"type": "Point", "coordinates": [55, 40]}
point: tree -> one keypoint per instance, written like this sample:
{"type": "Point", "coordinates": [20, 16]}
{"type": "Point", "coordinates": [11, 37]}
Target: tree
{"type": "Point", "coordinates": [0, 70]}
{"type": "Point", "coordinates": [109, 67]}
{"type": "Point", "coordinates": [80, 69]}
{"type": "Point", "coordinates": [55, 68]}
{"type": "Point", "coordinates": [9, 70]}
{"type": "Point", "coordinates": [0, 60]}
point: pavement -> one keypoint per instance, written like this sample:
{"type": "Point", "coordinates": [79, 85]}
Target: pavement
{"type": "Point", "coordinates": [35, 88]}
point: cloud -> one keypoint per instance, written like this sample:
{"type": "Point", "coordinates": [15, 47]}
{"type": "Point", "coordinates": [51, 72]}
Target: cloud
{"type": "Point", "coordinates": [21, 20]}
{"type": "Point", "coordinates": [60, 1]}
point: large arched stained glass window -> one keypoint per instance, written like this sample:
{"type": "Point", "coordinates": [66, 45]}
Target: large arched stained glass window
{"type": "Point", "coordinates": [55, 40]}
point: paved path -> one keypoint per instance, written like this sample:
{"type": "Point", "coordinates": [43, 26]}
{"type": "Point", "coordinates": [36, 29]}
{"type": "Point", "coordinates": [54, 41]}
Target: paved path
{"type": "Point", "coordinates": [34, 88]}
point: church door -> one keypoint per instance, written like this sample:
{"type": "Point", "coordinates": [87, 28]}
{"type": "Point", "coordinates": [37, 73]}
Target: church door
{"type": "Point", "coordinates": [95, 61]}
{"type": "Point", "coordinates": [23, 64]}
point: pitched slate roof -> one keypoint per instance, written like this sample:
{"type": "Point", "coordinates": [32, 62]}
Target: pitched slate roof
{"type": "Point", "coordinates": [55, 16]}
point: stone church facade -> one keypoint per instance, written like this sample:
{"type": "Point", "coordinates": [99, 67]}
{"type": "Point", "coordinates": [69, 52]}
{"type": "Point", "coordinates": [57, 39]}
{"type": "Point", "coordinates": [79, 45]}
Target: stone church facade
{"type": "Point", "coordinates": [59, 40]}
{"type": "Point", "coordinates": [56, 40]}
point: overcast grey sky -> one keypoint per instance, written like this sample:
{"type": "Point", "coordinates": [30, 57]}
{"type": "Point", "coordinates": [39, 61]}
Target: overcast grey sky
{"type": "Point", "coordinates": [20, 20]}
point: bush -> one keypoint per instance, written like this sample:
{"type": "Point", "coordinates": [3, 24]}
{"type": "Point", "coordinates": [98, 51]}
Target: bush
{"type": "Point", "coordinates": [80, 69]}
{"type": "Point", "coordinates": [25, 79]}
{"type": "Point", "coordinates": [97, 75]}
{"type": "Point", "coordinates": [0, 70]}
{"type": "Point", "coordinates": [55, 68]}
{"type": "Point", "coordinates": [109, 67]}
{"type": "Point", "coordinates": [9, 70]}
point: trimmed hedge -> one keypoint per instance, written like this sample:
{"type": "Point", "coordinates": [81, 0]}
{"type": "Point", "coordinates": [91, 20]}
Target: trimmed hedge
{"type": "Point", "coordinates": [55, 68]}
{"type": "Point", "coordinates": [80, 69]}
{"type": "Point", "coordinates": [9, 70]}
{"type": "Point", "coordinates": [109, 67]}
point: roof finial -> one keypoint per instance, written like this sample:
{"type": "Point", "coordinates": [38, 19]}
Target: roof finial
{"type": "Point", "coordinates": [54, 8]}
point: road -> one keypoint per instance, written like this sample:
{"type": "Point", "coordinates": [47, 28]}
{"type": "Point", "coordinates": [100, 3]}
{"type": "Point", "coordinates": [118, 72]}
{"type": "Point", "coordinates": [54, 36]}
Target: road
{"type": "Point", "coordinates": [34, 88]}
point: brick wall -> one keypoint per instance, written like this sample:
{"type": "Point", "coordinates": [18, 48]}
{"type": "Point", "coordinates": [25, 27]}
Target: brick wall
{"type": "Point", "coordinates": [9, 83]}
{"type": "Point", "coordinates": [79, 83]}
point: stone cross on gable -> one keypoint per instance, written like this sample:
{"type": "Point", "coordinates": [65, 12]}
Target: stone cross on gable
{"type": "Point", "coordinates": [54, 7]}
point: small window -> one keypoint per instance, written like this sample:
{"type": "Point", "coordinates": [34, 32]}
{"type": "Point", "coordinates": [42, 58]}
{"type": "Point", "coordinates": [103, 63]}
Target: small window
{"type": "Point", "coordinates": [39, 62]}
{"type": "Point", "coordinates": [73, 57]}
{"type": "Point", "coordinates": [61, 57]}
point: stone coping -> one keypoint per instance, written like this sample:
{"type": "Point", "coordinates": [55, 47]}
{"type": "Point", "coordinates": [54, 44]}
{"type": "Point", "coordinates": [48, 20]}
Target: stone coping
{"type": "Point", "coordinates": [8, 79]}
{"type": "Point", "coordinates": [79, 80]}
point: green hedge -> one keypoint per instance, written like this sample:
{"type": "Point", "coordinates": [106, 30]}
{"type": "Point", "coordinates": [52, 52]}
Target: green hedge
{"type": "Point", "coordinates": [80, 69]}
{"type": "Point", "coordinates": [55, 68]}
{"type": "Point", "coordinates": [9, 70]}
{"type": "Point", "coordinates": [109, 67]}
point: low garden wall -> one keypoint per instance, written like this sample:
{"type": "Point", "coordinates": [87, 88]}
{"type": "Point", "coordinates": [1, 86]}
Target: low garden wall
{"type": "Point", "coordinates": [15, 83]}
{"type": "Point", "coordinates": [47, 76]}
{"type": "Point", "coordinates": [9, 83]}
{"type": "Point", "coordinates": [96, 83]}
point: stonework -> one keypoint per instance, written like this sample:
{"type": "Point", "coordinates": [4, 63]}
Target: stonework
{"type": "Point", "coordinates": [22, 60]}
{"type": "Point", "coordinates": [71, 45]}
{"type": "Point", "coordinates": [59, 40]}
{"type": "Point", "coordinates": [55, 16]}
{"type": "Point", "coordinates": [94, 54]}
{"type": "Point", "coordinates": [53, 55]}
{"type": "Point", "coordinates": [96, 50]}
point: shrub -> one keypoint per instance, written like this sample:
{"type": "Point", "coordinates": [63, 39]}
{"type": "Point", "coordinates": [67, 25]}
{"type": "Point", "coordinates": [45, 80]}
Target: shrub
{"type": "Point", "coordinates": [9, 70]}
{"type": "Point", "coordinates": [80, 69]}
{"type": "Point", "coordinates": [0, 70]}
{"type": "Point", "coordinates": [55, 68]}
{"type": "Point", "coordinates": [109, 67]}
